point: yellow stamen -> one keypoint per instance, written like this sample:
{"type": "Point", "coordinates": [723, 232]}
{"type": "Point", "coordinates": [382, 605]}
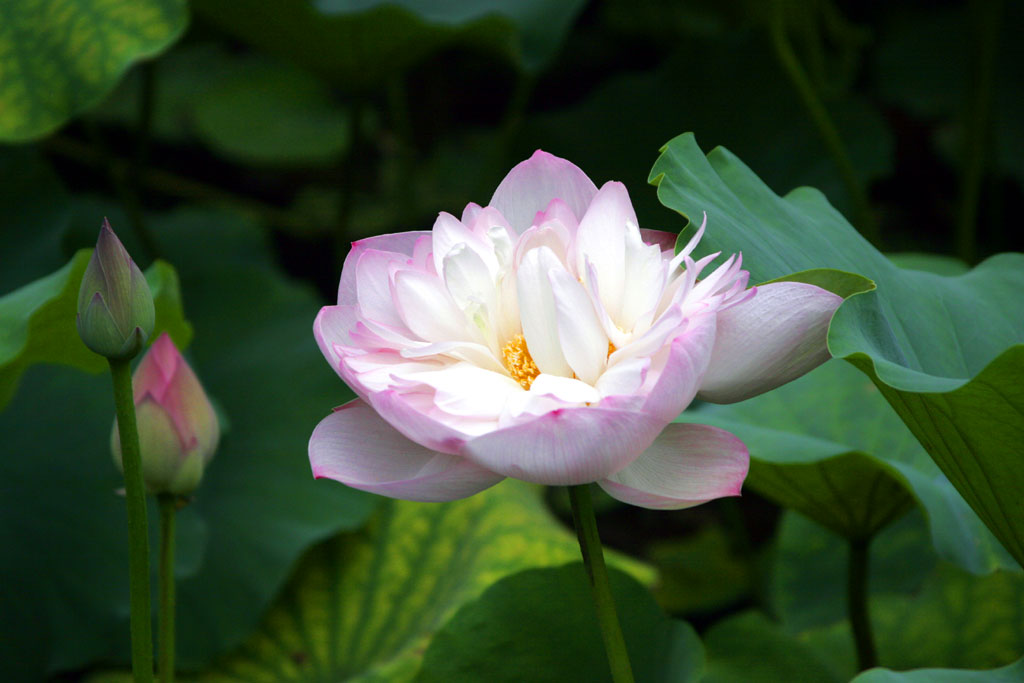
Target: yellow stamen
{"type": "Point", "coordinates": [519, 363]}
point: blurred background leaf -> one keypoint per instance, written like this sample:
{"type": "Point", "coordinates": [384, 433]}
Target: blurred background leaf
{"type": "Point", "coordinates": [361, 43]}
{"type": "Point", "coordinates": [925, 612]}
{"type": "Point", "coordinates": [60, 58]}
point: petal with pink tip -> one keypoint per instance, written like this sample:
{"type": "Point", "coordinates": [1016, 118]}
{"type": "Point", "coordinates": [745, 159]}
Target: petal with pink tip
{"type": "Point", "coordinates": [332, 326]}
{"type": "Point", "coordinates": [688, 464]}
{"type": "Point", "coordinates": [532, 184]}
{"type": "Point", "coordinates": [398, 242]}
{"type": "Point", "coordinates": [768, 340]}
{"type": "Point", "coordinates": [355, 446]}
{"type": "Point", "coordinates": [566, 446]}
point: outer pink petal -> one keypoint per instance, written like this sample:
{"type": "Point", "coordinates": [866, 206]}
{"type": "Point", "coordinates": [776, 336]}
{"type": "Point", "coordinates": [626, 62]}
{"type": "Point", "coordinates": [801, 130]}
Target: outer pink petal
{"type": "Point", "coordinates": [687, 465]}
{"type": "Point", "coordinates": [332, 326]}
{"type": "Point", "coordinates": [355, 446]}
{"type": "Point", "coordinates": [532, 184]}
{"type": "Point", "coordinates": [416, 425]}
{"type": "Point", "coordinates": [399, 242]}
{"type": "Point", "coordinates": [683, 370]}
{"type": "Point", "coordinates": [768, 340]}
{"type": "Point", "coordinates": [566, 446]}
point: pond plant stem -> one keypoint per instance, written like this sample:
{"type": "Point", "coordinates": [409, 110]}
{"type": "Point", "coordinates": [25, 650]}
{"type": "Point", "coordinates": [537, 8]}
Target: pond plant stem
{"type": "Point", "coordinates": [138, 538]}
{"type": "Point", "coordinates": [165, 661]}
{"type": "Point", "coordinates": [977, 126]}
{"type": "Point", "coordinates": [857, 604]}
{"type": "Point", "coordinates": [787, 57]}
{"type": "Point", "coordinates": [593, 560]}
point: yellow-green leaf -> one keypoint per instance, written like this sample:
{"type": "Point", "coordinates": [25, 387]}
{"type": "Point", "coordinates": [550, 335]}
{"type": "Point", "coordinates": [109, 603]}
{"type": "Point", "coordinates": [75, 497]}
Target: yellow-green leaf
{"type": "Point", "coordinates": [363, 606]}
{"type": "Point", "coordinates": [60, 57]}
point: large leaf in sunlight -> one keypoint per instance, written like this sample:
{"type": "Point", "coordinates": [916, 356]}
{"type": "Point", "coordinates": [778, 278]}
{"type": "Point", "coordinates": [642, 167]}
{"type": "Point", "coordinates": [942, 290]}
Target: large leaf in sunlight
{"type": "Point", "coordinates": [364, 606]}
{"type": "Point", "coordinates": [60, 58]}
{"type": "Point", "coordinates": [830, 446]}
{"type": "Point", "coordinates": [37, 321]}
{"type": "Point", "coordinates": [258, 508]}
{"type": "Point", "coordinates": [363, 42]}
{"type": "Point", "coordinates": [946, 352]}
{"type": "Point", "coordinates": [540, 625]}
{"type": "Point", "coordinates": [924, 612]}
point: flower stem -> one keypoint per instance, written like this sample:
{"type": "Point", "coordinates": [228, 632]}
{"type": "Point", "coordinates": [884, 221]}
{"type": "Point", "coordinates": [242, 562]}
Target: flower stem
{"type": "Point", "coordinates": [857, 603]}
{"type": "Point", "coordinates": [138, 538]}
{"type": "Point", "coordinates": [826, 128]}
{"type": "Point", "coordinates": [593, 560]}
{"type": "Point", "coordinates": [977, 126]}
{"type": "Point", "coordinates": [168, 508]}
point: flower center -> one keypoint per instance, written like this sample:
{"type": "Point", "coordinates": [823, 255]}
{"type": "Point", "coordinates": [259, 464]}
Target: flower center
{"type": "Point", "coordinates": [519, 363]}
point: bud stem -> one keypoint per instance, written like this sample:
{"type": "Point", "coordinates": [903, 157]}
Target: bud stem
{"type": "Point", "coordinates": [601, 591]}
{"type": "Point", "coordinates": [138, 538]}
{"type": "Point", "coordinates": [168, 509]}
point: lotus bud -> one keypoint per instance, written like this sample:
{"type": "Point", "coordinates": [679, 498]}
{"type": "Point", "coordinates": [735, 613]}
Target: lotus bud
{"type": "Point", "coordinates": [115, 307]}
{"type": "Point", "coordinates": [178, 429]}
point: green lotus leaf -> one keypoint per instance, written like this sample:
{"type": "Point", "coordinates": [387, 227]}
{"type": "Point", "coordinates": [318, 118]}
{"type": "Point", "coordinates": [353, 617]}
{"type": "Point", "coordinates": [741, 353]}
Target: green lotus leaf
{"type": "Point", "coordinates": [540, 625]}
{"type": "Point", "coordinates": [946, 352]}
{"type": "Point", "coordinates": [831, 447]}
{"type": "Point", "coordinates": [60, 58]}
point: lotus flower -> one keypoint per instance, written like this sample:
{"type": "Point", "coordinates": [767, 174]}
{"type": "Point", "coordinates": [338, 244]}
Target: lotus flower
{"type": "Point", "coordinates": [546, 337]}
{"type": "Point", "coordinates": [178, 428]}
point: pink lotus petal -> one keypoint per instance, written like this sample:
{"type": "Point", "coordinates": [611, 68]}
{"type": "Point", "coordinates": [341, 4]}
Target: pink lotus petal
{"type": "Point", "coordinates": [532, 184]}
{"type": "Point", "coordinates": [332, 326]}
{"type": "Point", "coordinates": [399, 242]}
{"type": "Point", "coordinates": [415, 423]}
{"type": "Point", "coordinates": [688, 464]}
{"type": "Point", "coordinates": [601, 240]}
{"type": "Point", "coordinates": [768, 340]}
{"type": "Point", "coordinates": [355, 446]}
{"type": "Point", "coordinates": [682, 370]}
{"type": "Point", "coordinates": [566, 446]}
